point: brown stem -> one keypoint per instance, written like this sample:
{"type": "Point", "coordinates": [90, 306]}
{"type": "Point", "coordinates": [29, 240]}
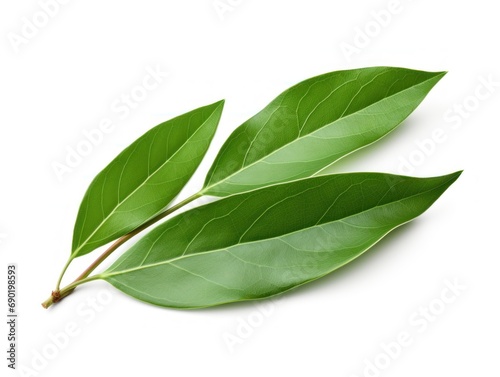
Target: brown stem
{"type": "Point", "coordinates": [58, 295]}
{"type": "Point", "coordinates": [120, 241]}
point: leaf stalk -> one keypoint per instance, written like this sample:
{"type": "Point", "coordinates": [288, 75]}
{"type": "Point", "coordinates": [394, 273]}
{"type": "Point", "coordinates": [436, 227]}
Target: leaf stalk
{"type": "Point", "coordinates": [59, 294]}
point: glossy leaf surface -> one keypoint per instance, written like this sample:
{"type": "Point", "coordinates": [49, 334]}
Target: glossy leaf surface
{"type": "Point", "coordinates": [315, 123]}
{"type": "Point", "coordinates": [261, 243]}
{"type": "Point", "coordinates": [144, 178]}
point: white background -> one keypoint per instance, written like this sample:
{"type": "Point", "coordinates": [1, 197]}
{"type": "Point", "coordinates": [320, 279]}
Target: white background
{"type": "Point", "coordinates": [64, 80]}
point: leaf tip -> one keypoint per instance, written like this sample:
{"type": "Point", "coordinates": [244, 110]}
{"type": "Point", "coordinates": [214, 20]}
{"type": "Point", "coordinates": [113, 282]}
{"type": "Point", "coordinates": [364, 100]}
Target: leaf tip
{"type": "Point", "coordinates": [452, 177]}
{"type": "Point", "coordinates": [441, 74]}
{"type": "Point", "coordinates": [219, 103]}
{"type": "Point", "coordinates": [457, 174]}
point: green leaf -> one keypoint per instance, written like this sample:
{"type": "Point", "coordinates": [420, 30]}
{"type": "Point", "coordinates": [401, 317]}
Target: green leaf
{"type": "Point", "coordinates": [264, 242]}
{"type": "Point", "coordinates": [144, 178]}
{"type": "Point", "coordinates": [315, 123]}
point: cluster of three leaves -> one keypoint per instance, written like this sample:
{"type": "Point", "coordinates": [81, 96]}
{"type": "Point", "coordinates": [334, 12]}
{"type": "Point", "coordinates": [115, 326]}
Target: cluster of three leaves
{"type": "Point", "coordinates": [276, 226]}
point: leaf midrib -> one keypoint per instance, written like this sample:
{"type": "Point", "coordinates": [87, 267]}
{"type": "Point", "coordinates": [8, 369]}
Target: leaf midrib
{"type": "Point", "coordinates": [105, 275]}
{"type": "Point", "coordinates": [208, 188]}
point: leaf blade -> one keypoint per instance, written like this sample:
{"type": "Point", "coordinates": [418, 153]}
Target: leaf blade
{"type": "Point", "coordinates": [133, 188]}
{"type": "Point", "coordinates": [238, 249]}
{"type": "Point", "coordinates": [321, 120]}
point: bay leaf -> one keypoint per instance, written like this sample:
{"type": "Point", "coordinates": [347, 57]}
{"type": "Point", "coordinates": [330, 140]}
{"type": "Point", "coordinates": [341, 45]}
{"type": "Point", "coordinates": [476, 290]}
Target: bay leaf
{"type": "Point", "coordinates": [315, 123]}
{"type": "Point", "coordinates": [144, 178]}
{"type": "Point", "coordinates": [264, 242]}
